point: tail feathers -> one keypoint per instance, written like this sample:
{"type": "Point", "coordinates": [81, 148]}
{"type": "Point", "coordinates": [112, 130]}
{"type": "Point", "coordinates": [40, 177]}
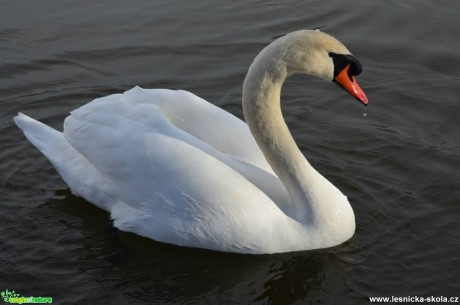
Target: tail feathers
{"type": "Point", "coordinates": [49, 141]}
{"type": "Point", "coordinates": [77, 172]}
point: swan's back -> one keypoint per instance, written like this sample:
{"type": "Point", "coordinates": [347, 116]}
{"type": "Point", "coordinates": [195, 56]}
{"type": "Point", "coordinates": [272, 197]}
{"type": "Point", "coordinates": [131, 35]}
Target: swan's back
{"type": "Point", "coordinates": [203, 120]}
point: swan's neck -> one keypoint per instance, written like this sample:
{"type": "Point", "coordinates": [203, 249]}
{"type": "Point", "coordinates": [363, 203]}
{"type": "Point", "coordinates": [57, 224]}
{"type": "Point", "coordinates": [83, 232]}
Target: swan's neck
{"type": "Point", "coordinates": [262, 111]}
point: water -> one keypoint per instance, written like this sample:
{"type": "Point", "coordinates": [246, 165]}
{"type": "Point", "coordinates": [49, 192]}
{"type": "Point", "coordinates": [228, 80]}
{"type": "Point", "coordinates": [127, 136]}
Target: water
{"type": "Point", "coordinates": [399, 166]}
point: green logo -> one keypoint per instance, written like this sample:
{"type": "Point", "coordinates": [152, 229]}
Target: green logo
{"type": "Point", "coordinates": [16, 298]}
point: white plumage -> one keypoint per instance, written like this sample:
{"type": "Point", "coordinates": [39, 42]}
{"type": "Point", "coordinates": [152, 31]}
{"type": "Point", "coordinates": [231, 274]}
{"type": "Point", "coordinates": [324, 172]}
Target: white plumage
{"type": "Point", "coordinates": [172, 167]}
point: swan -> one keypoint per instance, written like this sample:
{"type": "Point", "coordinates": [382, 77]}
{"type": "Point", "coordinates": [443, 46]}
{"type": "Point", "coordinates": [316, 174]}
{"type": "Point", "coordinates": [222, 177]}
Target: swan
{"type": "Point", "coordinates": [173, 167]}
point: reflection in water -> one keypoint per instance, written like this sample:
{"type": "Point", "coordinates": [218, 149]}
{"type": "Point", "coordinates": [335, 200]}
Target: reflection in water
{"type": "Point", "coordinates": [143, 269]}
{"type": "Point", "coordinates": [294, 278]}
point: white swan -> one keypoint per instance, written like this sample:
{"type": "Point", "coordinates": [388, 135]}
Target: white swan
{"type": "Point", "coordinates": [172, 167]}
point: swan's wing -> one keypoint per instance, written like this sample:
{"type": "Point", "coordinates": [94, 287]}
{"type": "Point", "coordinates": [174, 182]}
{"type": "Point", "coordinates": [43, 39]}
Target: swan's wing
{"type": "Point", "coordinates": [207, 122]}
{"type": "Point", "coordinates": [166, 184]}
{"type": "Point", "coordinates": [111, 121]}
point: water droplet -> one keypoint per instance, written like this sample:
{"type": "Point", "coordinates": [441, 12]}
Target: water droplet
{"type": "Point", "coordinates": [365, 111]}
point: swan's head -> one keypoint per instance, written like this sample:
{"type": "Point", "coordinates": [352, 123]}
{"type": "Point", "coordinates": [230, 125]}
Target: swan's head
{"type": "Point", "coordinates": [321, 55]}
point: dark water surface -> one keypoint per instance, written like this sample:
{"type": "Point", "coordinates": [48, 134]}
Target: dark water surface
{"type": "Point", "coordinates": [399, 166]}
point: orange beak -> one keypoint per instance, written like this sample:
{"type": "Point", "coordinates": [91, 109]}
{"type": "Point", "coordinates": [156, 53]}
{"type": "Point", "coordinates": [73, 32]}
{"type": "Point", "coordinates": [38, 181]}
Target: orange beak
{"type": "Point", "coordinates": [349, 83]}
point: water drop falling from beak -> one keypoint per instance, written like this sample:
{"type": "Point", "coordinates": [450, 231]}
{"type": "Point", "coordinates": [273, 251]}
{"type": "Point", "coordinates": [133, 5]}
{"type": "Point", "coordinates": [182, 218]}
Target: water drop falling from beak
{"type": "Point", "coordinates": [365, 111]}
